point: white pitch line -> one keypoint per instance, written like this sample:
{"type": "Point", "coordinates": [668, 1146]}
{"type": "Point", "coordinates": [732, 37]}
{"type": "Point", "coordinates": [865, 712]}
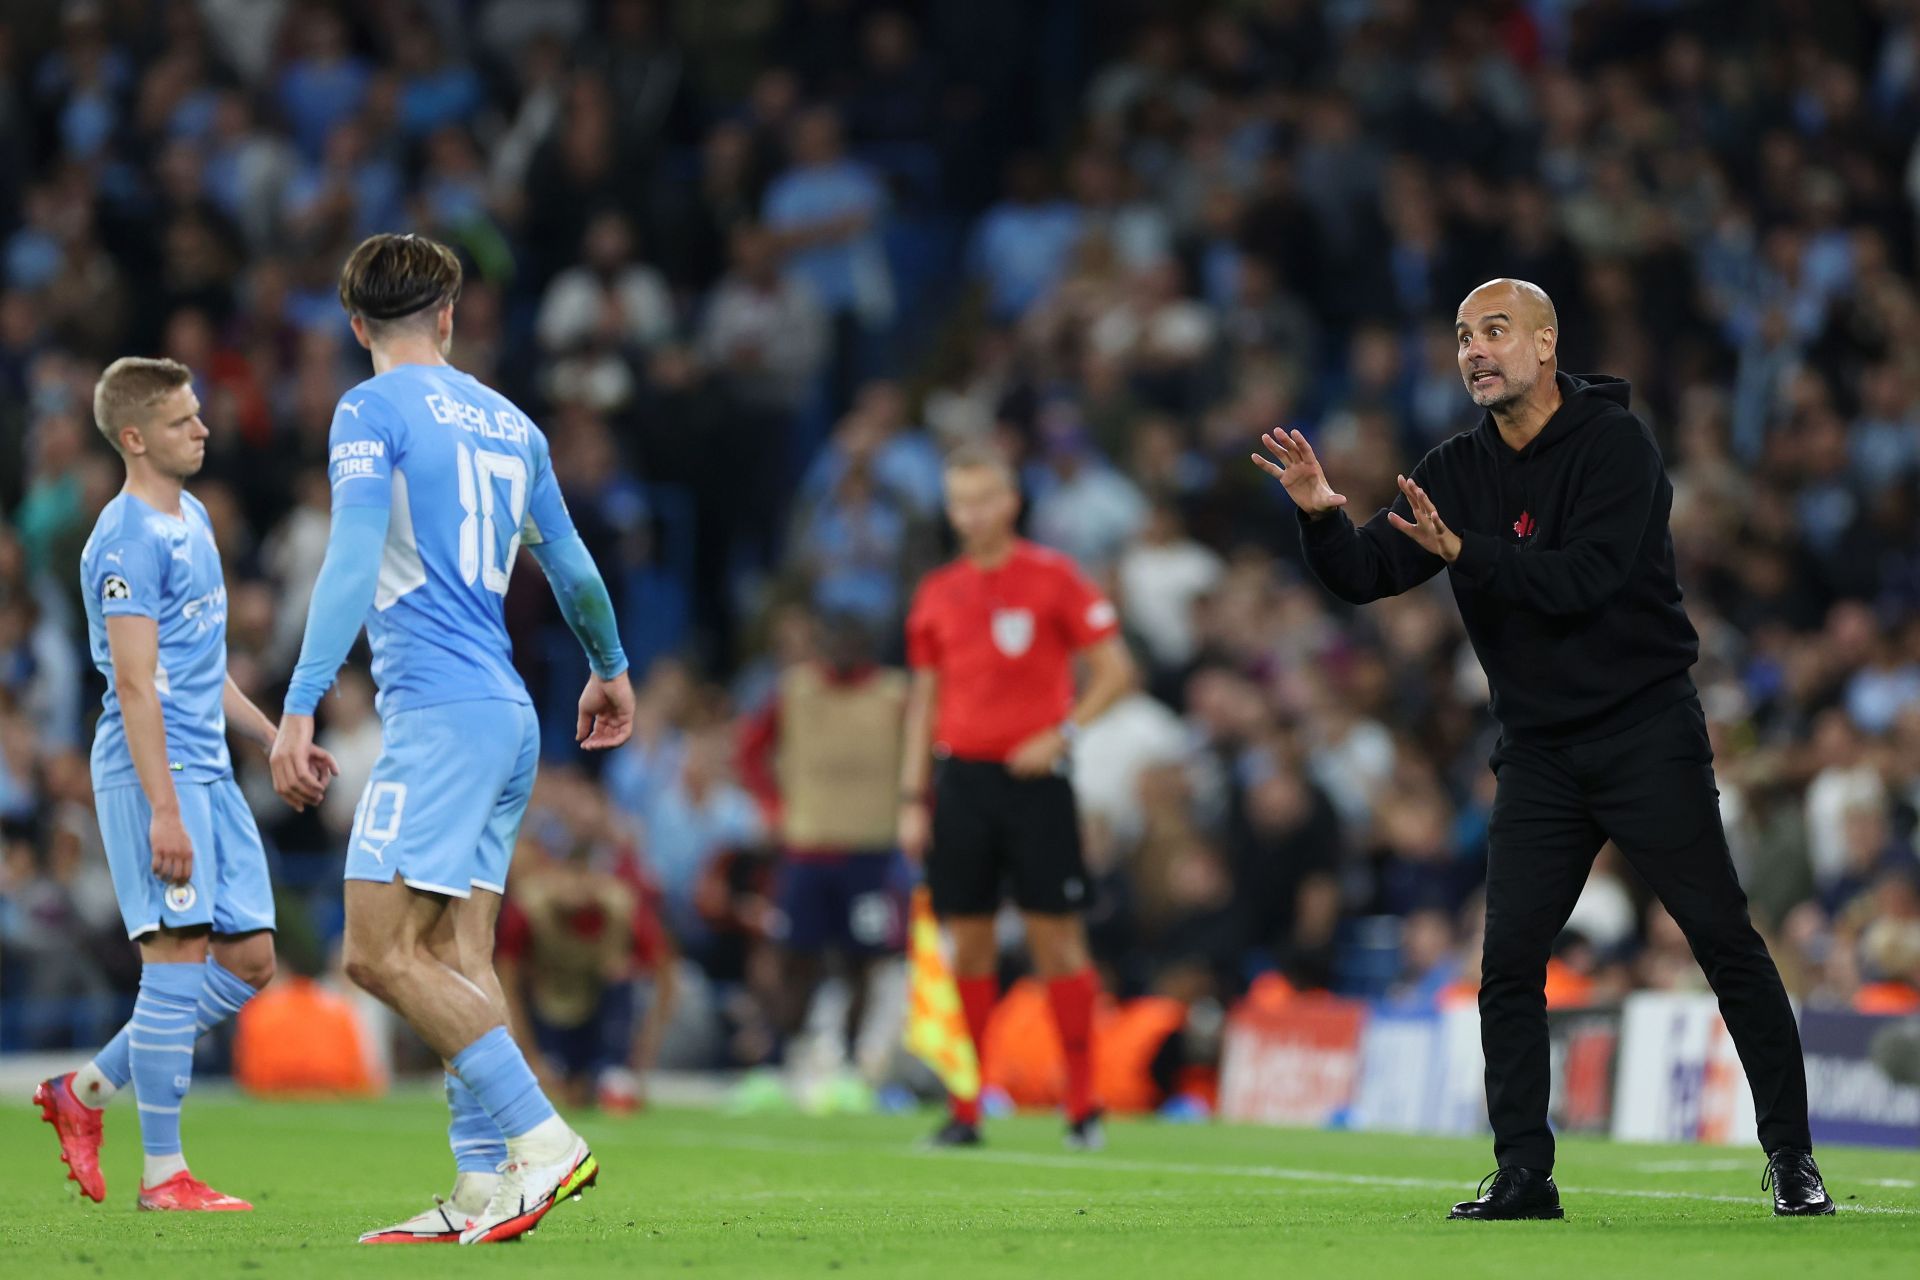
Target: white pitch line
{"type": "Point", "coordinates": [1692, 1166]}
{"type": "Point", "coordinates": [1278, 1173]}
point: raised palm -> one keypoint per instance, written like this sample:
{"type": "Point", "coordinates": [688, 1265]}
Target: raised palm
{"type": "Point", "coordinates": [1295, 467]}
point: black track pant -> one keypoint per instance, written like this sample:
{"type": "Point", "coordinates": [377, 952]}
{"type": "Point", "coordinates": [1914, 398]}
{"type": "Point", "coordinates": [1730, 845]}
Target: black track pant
{"type": "Point", "coordinates": [1651, 790]}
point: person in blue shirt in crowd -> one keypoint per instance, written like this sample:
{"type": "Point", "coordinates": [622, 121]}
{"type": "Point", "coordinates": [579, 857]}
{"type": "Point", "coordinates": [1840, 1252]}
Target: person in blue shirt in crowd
{"type": "Point", "coordinates": [826, 212]}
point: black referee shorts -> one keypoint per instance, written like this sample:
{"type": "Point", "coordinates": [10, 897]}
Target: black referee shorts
{"type": "Point", "coordinates": [993, 832]}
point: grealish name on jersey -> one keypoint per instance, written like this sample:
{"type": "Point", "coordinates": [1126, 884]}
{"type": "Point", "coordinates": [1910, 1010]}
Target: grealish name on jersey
{"type": "Point", "coordinates": [504, 425]}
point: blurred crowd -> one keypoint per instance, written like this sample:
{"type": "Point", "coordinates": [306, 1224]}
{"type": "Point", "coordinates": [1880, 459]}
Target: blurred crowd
{"type": "Point", "coordinates": [755, 265]}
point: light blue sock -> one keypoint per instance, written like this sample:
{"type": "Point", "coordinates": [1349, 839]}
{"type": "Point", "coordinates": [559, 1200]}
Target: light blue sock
{"type": "Point", "coordinates": [501, 1080]}
{"type": "Point", "coordinates": [221, 995]}
{"type": "Point", "coordinates": [163, 1030]}
{"type": "Point", "coordinates": [113, 1061]}
{"type": "Point", "coordinates": [222, 992]}
{"type": "Point", "coordinates": [478, 1144]}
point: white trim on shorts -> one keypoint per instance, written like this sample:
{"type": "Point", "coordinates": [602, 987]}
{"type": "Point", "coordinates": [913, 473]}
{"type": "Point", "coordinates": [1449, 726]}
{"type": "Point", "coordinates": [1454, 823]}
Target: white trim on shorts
{"type": "Point", "coordinates": [491, 888]}
{"type": "Point", "coordinates": [424, 887]}
{"type": "Point", "coordinates": [135, 934]}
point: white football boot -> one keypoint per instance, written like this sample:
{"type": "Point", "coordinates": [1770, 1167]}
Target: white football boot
{"type": "Point", "coordinates": [528, 1191]}
{"type": "Point", "coordinates": [441, 1224]}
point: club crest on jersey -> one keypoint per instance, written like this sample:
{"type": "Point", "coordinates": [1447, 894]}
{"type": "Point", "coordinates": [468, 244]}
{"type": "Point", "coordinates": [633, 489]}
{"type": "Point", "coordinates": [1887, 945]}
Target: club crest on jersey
{"type": "Point", "coordinates": [1013, 631]}
{"type": "Point", "coordinates": [180, 897]}
{"type": "Point", "coordinates": [115, 588]}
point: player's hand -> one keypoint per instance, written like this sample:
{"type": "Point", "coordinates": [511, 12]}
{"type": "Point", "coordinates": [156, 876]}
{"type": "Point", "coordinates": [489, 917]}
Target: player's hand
{"type": "Point", "coordinates": [1038, 756]}
{"type": "Point", "coordinates": [172, 848]}
{"type": "Point", "coordinates": [606, 713]}
{"type": "Point", "coordinates": [1298, 471]}
{"type": "Point", "coordinates": [324, 766]}
{"type": "Point", "coordinates": [916, 830]}
{"type": "Point", "coordinates": [294, 764]}
{"type": "Point", "coordinates": [1426, 527]}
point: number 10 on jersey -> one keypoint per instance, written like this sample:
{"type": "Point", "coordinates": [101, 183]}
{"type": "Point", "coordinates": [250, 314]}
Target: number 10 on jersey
{"type": "Point", "coordinates": [490, 538]}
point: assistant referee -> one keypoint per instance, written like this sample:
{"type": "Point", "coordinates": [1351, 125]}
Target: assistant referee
{"type": "Point", "coordinates": [991, 714]}
{"type": "Point", "coordinates": [1556, 544]}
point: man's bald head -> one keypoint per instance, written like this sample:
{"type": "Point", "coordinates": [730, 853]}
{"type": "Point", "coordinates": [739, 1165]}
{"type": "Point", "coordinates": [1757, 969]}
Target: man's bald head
{"type": "Point", "coordinates": [1528, 301]}
{"type": "Point", "coordinates": [1508, 335]}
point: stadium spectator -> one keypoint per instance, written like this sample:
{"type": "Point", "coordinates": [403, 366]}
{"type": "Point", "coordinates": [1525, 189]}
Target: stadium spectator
{"type": "Point", "coordinates": [611, 301]}
{"type": "Point", "coordinates": [827, 210]}
{"type": "Point", "coordinates": [761, 330]}
{"type": "Point", "coordinates": [1022, 244]}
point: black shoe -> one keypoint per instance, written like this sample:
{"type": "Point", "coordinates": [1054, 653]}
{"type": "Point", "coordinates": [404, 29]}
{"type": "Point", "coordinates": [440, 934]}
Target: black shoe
{"type": "Point", "coordinates": [1794, 1179]}
{"type": "Point", "coordinates": [1515, 1194]}
{"type": "Point", "coordinates": [1087, 1133]}
{"type": "Point", "coordinates": [956, 1133]}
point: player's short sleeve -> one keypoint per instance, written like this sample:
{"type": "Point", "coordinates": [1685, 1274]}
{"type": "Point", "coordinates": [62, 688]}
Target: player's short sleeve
{"type": "Point", "coordinates": [126, 576]}
{"type": "Point", "coordinates": [923, 637]}
{"type": "Point", "coordinates": [547, 518]}
{"type": "Point", "coordinates": [361, 447]}
{"type": "Point", "coordinates": [1086, 613]}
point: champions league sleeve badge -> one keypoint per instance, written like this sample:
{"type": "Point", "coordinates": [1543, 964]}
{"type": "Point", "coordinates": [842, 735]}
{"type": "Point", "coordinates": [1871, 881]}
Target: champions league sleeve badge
{"type": "Point", "coordinates": [115, 588]}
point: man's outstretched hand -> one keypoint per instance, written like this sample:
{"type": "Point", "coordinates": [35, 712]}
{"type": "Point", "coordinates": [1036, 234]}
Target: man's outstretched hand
{"type": "Point", "coordinates": [1298, 471]}
{"type": "Point", "coordinates": [1426, 527]}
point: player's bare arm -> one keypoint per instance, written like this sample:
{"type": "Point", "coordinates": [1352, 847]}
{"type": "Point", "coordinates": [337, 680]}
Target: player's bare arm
{"type": "Point", "coordinates": [134, 643]}
{"type": "Point", "coordinates": [257, 727]}
{"type": "Point", "coordinates": [1109, 676]}
{"type": "Point", "coordinates": [916, 822]}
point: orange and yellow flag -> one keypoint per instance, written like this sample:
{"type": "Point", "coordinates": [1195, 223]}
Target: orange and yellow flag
{"type": "Point", "coordinates": [936, 1027]}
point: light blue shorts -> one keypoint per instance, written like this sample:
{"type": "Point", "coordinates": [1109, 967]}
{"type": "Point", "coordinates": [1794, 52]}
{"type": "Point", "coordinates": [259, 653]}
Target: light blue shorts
{"type": "Point", "coordinates": [230, 889]}
{"type": "Point", "coordinates": [442, 808]}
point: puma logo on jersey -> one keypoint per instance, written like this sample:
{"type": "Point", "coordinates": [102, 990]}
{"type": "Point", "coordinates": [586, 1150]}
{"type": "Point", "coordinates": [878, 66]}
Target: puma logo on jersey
{"type": "Point", "coordinates": [351, 406]}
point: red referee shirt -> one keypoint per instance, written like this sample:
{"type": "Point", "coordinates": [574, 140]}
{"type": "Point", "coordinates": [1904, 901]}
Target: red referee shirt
{"type": "Point", "coordinates": [1002, 643]}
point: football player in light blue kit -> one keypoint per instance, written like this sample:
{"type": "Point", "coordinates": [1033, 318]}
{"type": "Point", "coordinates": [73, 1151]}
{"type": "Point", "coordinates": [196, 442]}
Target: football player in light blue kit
{"type": "Point", "coordinates": [185, 856]}
{"type": "Point", "coordinates": [437, 483]}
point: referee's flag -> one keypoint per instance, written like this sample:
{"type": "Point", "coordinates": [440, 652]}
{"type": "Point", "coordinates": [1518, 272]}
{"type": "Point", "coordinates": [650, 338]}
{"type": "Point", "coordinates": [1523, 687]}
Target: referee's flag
{"type": "Point", "coordinates": [936, 1027]}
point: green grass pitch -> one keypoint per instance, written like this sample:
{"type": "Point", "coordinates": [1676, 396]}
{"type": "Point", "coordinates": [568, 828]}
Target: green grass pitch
{"type": "Point", "coordinates": [700, 1194]}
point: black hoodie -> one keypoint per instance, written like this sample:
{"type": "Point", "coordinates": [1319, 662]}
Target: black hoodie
{"type": "Point", "coordinates": [1565, 577]}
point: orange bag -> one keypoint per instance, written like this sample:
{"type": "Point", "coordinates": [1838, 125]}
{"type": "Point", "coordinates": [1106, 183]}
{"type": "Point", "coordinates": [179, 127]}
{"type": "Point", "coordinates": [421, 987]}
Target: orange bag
{"type": "Point", "coordinates": [297, 1037]}
{"type": "Point", "coordinates": [1023, 1055]}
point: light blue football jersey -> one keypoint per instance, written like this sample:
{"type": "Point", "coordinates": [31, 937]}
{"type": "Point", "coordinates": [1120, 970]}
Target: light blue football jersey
{"type": "Point", "coordinates": [467, 480]}
{"type": "Point", "coordinates": [144, 562]}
